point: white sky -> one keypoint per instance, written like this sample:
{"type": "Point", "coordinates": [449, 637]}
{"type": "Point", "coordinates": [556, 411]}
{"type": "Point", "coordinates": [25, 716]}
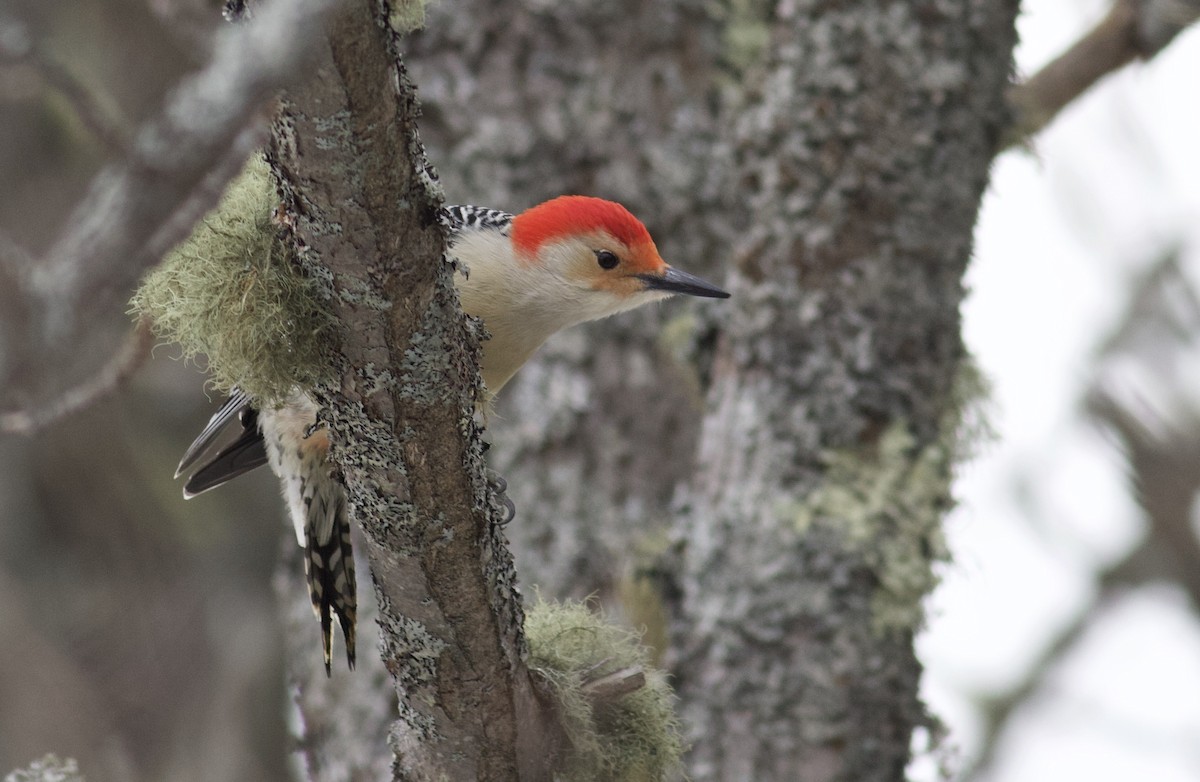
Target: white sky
{"type": "Point", "coordinates": [1063, 232]}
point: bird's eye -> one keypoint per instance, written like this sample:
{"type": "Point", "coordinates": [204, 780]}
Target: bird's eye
{"type": "Point", "coordinates": [607, 259]}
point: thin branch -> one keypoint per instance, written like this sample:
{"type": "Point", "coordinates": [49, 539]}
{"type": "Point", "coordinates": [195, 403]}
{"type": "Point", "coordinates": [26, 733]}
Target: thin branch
{"type": "Point", "coordinates": [112, 375]}
{"type": "Point", "coordinates": [1133, 29]}
{"type": "Point", "coordinates": [1163, 452]}
{"type": "Point", "coordinates": [1141, 394]}
{"type": "Point", "coordinates": [16, 47]}
{"type": "Point", "coordinates": [129, 205]}
{"type": "Point", "coordinates": [14, 257]}
{"type": "Point", "coordinates": [997, 710]}
{"type": "Point", "coordinates": [139, 207]}
{"type": "Point", "coordinates": [1140, 566]}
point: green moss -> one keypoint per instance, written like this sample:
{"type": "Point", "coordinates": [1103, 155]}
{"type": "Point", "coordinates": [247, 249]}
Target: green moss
{"type": "Point", "coordinates": [633, 739]}
{"type": "Point", "coordinates": [230, 292]}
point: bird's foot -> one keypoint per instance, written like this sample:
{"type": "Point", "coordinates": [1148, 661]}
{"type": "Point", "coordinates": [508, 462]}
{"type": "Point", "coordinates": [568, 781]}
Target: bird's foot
{"type": "Point", "coordinates": [499, 486]}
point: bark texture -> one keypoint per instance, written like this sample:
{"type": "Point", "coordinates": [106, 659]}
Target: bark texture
{"type": "Point", "coordinates": [832, 157]}
{"type": "Point", "coordinates": [362, 203]}
{"type": "Point", "coordinates": [809, 537]}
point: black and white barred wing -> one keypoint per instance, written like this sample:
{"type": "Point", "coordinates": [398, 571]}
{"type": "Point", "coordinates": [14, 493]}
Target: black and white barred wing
{"type": "Point", "coordinates": [461, 217]}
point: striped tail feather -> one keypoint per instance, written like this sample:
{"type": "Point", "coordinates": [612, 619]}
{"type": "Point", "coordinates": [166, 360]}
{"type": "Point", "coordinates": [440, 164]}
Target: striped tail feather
{"type": "Point", "coordinates": [329, 567]}
{"type": "Point", "coordinates": [316, 500]}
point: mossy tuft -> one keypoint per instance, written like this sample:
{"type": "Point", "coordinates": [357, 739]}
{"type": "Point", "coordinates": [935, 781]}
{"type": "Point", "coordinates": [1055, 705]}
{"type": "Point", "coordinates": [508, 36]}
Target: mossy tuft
{"type": "Point", "coordinates": [636, 737]}
{"type": "Point", "coordinates": [231, 293]}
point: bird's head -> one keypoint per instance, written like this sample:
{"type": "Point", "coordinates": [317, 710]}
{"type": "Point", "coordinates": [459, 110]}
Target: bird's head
{"type": "Point", "coordinates": [599, 247]}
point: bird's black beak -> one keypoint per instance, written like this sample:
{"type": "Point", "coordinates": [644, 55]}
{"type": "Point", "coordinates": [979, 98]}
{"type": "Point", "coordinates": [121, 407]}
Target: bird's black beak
{"type": "Point", "coordinates": [675, 281]}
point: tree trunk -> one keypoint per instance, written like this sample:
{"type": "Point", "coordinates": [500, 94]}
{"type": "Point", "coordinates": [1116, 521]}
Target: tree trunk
{"type": "Point", "coordinates": [826, 455]}
{"type": "Point", "coordinates": [833, 159]}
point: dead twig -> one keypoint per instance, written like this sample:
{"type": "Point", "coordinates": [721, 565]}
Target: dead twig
{"type": "Point", "coordinates": [1133, 29]}
{"type": "Point", "coordinates": [606, 689]}
{"type": "Point", "coordinates": [17, 48]}
{"type": "Point", "coordinates": [113, 375]}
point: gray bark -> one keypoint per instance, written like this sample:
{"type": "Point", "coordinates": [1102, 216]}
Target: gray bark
{"type": "Point", "coordinates": [360, 199]}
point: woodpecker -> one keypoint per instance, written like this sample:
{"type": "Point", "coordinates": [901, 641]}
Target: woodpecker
{"type": "Point", "coordinates": [568, 260]}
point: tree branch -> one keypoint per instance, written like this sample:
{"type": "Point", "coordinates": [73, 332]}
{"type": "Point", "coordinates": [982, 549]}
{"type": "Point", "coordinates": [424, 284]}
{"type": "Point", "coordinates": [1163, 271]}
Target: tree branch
{"type": "Point", "coordinates": [1141, 566]}
{"type": "Point", "coordinates": [16, 46]}
{"type": "Point", "coordinates": [119, 369]}
{"type": "Point", "coordinates": [362, 200]}
{"type": "Point", "coordinates": [1133, 29]}
{"type": "Point", "coordinates": [1143, 394]}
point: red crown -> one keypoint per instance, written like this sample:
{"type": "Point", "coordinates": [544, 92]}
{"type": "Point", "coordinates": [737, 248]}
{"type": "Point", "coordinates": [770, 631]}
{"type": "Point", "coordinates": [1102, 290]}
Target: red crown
{"type": "Point", "coordinates": [574, 214]}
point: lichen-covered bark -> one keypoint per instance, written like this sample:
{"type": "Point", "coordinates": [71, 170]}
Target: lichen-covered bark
{"type": "Point", "coordinates": [811, 530]}
{"type": "Point", "coordinates": [361, 202]}
{"type": "Point", "coordinates": [832, 156]}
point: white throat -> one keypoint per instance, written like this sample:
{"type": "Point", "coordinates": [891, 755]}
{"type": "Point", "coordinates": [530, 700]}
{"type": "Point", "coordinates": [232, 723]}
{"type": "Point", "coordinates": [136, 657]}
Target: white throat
{"type": "Point", "coordinates": [522, 304]}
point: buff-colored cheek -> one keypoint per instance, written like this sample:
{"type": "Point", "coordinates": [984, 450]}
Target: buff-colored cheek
{"type": "Point", "coordinates": [618, 285]}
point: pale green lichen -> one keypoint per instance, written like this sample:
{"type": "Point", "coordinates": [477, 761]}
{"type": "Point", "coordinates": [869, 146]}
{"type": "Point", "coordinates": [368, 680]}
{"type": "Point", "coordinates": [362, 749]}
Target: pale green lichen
{"type": "Point", "coordinates": [48, 769]}
{"type": "Point", "coordinates": [890, 504]}
{"type": "Point", "coordinates": [969, 423]}
{"type": "Point", "coordinates": [678, 335]}
{"type": "Point", "coordinates": [230, 293]}
{"type": "Point", "coordinates": [641, 590]}
{"type": "Point", "coordinates": [634, 739]}
{"type": "Point", "coordinates": [747, 33]}
{"type": "Point", "coordinates": [406, 16]}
